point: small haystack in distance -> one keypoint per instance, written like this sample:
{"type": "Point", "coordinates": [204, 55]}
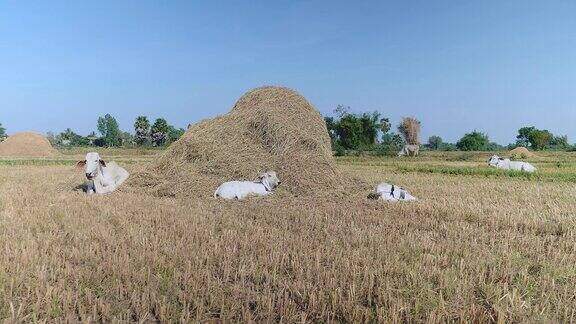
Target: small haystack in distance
{"type": "Point", "coordinates": [410, 130]}
{"type": "Point", "coordinates": [27, 144]}
{"type": "Point", "coordinates": [520, 153]}
{"type": "Point", "coordinates": [269, 128]}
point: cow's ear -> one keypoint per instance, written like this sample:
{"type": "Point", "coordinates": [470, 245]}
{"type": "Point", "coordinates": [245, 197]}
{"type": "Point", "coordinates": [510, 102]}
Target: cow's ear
{"type": "Point", "coordinates": [81, 164]}
{"type": "Point", "coordinates": [102, 163]}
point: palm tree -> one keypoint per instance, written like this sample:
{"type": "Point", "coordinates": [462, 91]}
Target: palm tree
{"type": "Point", "coordinates": [160, 131]}
{"type": "Point", "coordinates": [142, 130]}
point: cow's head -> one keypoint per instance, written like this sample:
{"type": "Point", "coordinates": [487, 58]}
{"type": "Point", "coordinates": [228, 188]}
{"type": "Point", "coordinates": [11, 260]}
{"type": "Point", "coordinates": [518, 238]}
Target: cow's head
{"type": "Point", "coordinates": [494, 160]}
{"type": "Point", "coordinates": [91, 165]}
{"type": "Point", "coordinates": [269, 179]}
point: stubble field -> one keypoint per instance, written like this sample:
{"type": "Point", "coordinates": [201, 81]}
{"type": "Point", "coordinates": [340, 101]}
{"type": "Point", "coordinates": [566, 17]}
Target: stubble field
{"type": "Point", "coordinates": [480, 245]}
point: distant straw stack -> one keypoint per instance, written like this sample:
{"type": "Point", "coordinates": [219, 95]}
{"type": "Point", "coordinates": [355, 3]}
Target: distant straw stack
{"type": "Point", "coordinates": [521, 153]}
{"type": "Point", "coordinates": [27, 144]}
{"type": "Point", "coordinates": [410, 129]}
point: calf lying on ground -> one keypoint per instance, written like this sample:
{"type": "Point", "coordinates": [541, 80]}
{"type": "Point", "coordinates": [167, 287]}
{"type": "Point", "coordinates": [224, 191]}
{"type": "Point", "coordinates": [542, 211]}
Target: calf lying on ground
{"type": "Point", "coordinates": [505, 164]}
{"type": "Point", "coordinates": [262, 186]}
{"type": "Point", "coordinates": [102, 177]}
{"type": "Point", "coordinates": [392, 193]}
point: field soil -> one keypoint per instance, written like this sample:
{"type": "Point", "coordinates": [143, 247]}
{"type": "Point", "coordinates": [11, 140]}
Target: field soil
{"type": "Point", "coordinates": [480, 246]}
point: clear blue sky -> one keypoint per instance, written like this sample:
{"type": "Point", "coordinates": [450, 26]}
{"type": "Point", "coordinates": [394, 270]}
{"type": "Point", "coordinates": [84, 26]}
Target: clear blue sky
{"type": "Point", "coordinates": [456, 65]}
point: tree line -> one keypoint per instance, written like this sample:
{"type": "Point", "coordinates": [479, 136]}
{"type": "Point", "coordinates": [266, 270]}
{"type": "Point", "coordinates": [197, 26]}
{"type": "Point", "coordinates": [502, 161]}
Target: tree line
{"type": "Point", "coordinates": [160, 133]}
{"type": "Point", "coordinates": [370, 131]}
{"type": "Point", "coordinates": [349, 132]}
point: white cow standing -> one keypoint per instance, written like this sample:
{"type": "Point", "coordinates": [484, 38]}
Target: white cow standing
{"type": "Point", "coordinates": [506, 164]}
{"type": "Point", "coordinates": [388, 192]}
{"type": "Point", "coordinates": [262, 186]}
{"type": "Point", "coordinates": [102, 177]}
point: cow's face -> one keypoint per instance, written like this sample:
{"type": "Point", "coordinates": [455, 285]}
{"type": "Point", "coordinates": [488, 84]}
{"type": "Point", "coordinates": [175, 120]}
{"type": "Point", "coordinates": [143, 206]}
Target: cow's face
{"type": "Point", "coordinates": [494, 160]}
{"type": "Point", "coordinates": [91, 165]}
{"type": "Point", "coordinates": [269, 179]}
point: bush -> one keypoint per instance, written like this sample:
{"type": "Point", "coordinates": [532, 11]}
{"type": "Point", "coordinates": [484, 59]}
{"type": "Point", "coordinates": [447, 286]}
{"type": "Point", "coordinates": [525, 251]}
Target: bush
{"type": "Point", "coordinates": [338, 149]}
{"type": "Point", "coordinates": [391, 144]}
{"type": "Point", "coordinates": [449, 147]}
{"type": "Point", "coordinates": [352, 131]}
{"type": "Point", "coordinates": [435, 143]}
{"type": "Point", "coordinates": [474, 141]}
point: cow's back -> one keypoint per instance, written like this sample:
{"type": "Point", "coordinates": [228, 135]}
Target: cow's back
{"type": "Point", "coordinates": [116, 172]}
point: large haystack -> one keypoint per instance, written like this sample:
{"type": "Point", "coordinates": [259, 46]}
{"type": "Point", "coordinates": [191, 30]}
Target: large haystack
{"type": "Point", "coordinates": [269, 128]}
{"type": "Point", "coordinates": [27, 144]}
{"type": "Point", "coordinates": [521, 153]}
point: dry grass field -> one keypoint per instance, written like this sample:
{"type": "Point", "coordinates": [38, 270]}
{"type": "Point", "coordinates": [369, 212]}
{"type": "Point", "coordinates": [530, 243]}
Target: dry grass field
{"type": "Point", "coordinates": [481, 246]}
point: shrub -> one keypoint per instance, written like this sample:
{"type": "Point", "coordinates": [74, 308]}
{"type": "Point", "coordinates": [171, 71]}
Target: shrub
{"type": "Point", "coordinates": [474, 141]}
{"type": "Point", "coordinates": [435, 143]}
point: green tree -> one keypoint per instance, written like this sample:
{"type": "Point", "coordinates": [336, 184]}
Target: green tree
{"type": "Point", "coordinates": [174, 133]}
{"type": "Point", "coordinates": [351, 131]}
{"type": "Point", "coordinates": [159, 131]}
{"type": "Point", "coordinates": [449, 147]}
{"type": "Point", "coordinates": [110, 131]}
{"type": "Point", "coordinates": [475, 141]}
{"type": "Point", "coordinates": [385, 125]}
{"type": "Point", "coordinates": [371, 125]}
{"type": "Point", "coordinates": [127, 139]}
{"type": "Point", "coordinates": [390, 144]}
{"type": "Point", "coordinates": [540, 139]}
{"type": "Point", "coordinates": [69, 138]}
{"type": "Point", "coordinates": [331, 127]}
{"type": "Point", "coordinates": [142, 130]}
{"type": "Point", "coordinates": [493, 146]}
{"type": "Point", "coordinates": [2, 132]}
{"type": "Point", "coordinates": [523, 138]}
{"type": "Point", "coordinates": [435, 142]}
{"type": "Point", "coordinates": [560, 142]}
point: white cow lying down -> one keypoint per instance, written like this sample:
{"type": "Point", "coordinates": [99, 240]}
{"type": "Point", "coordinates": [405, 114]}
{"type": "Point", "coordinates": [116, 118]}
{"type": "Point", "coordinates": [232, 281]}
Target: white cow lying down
{"type": "Point", "coordinates": [102, 177]}
{"type": "Point", "coordinates": [262, 186]}
{"type": "Point", "coordinates": [392, 193]}
{"type": "Point", "coordinates": [505, 164]}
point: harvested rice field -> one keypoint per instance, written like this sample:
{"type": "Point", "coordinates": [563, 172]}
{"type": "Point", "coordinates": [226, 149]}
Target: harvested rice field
{"type": "Point", "coordinates": [480, 245]}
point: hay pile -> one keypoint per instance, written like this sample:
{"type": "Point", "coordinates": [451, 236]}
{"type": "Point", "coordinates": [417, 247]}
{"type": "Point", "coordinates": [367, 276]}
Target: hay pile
{"type": "Point", "coordinates": [269, 128]}
{"type": "Point", "coordinates": [521, 153]}
{"type": "Point", "coordinates": [27, 144]}
{"type": "Point", "coordinates": [410, 130]}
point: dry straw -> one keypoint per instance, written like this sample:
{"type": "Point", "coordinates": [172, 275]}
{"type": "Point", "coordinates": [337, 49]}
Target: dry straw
{"type": "Point", "coordinates": [410, 130]}
{"type": "Point", "coordinates": [27, 144]}
{"type": "Point", "coordinates": [521, 153]}
{"type": "Point", "coordinates": [269, 128]}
